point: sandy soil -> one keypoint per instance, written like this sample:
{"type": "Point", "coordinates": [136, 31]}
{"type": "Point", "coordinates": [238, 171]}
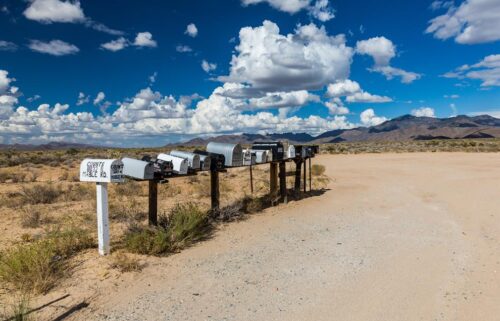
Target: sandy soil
{"type": "Point", "coordinates": [396, 237]}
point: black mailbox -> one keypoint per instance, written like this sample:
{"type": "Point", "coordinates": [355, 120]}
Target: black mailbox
{"type": "Point", "coordinates": [276, 149]}
{"type": "Point", "coordinates": [162, 169]}
{"type": "Point", "coordinates": [217, 161]}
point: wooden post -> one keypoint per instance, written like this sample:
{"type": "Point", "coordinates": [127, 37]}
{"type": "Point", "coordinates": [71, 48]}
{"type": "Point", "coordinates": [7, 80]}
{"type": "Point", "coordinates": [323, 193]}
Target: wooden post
{"type": "Point", "coordinates": [153, 203]}
{"type": "Point", "coordinates": [251, 179]}
{"type": "Point", "coordinates": [102, 218]}
{"type": "Point", "coordinates": [298, 167]}
{"type": "Point", "coordinates": [214, 189]}
{"type": "Point", "coordinates": [273, 176]}
{"type": "Point", "coordinates": [283, 192]}
{"type": "Point", "coordinates": [305, 175]}
{"type": "Point", "coordinates": [310, 174]}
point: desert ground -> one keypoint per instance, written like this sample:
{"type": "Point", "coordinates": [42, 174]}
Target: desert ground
{"type": "Point", "coordinates": [407, 236]}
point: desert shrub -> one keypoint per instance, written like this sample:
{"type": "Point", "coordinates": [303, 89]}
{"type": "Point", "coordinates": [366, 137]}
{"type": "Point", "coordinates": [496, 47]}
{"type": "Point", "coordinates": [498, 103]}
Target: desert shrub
{"type": "Point", "coordinates": [231, 212]}
{"type": "Point", "coordinates": [184, 225]}
{"type": "Point", "coordinates": [317, 170]}
{"type": "Point", "coordinates": [64, 176]}
{"type": "Point", "coordinates": [40, 194]}
{"type": "Point", "coordinates": [78, 192]}
{"type": "Point", "coordinates": [126, 209]}
{"type": "Point", "coordinates": [18, 309]}
{"type": "Point", "coordinates": [17, 177]}
{"type": "Point", "coordinates": [129, 188]}
{"type": "Point", "coordinates": [30, 217]}
{"type": "Point", "coordinates": [36, 267]}
{"type": "Point", "coordinates": [253, 204]}
{"type": "Point", "coordinates": [125, 263]}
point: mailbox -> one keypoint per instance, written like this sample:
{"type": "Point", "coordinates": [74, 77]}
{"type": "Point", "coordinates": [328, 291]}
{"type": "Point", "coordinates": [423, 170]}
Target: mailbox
{"type": "Point", "coordinates": [205, 162]}
{"type": "Point", "coordinates": [276, 149]}
{"type": "Point", "coordinates": [138, 169]}
{"type": "Point", "coordinates": [180, 165]}
{"type": "Point", "coordinates": [300, 151]}
{"type": "Point", "coordinates": [162, 169]}
{"type": "Point", "coordinates": [193, 159]}
{"type": "Point", "coordinates": [315, 149]}
{"type": "Point", "coordinates": [291, 151]}
{"type": "Point", "coordinates": [217, 161]}
{"type": "Point", "coordinates": [233, 153]}
{"type": "Point", "coordinates": [249, 158]}
{"type": "Point", "coordinates": [260, 156]}
{"type": "Point", "coordinates": [101, 170]}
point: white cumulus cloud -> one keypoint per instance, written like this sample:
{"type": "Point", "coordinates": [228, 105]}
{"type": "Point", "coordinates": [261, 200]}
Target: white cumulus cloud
{"type": "Point", "coordinates": [145, 39]}
{"type": "Point", "coordinates": [423, 112]}
{"type": "Point", "coordinates": [116, 45]}
{"type": "Point", "coordinates": [99, 98]}
{"type": "Point", "coordinates": [308, 59]}
{"type": "Point", "coordinates": [368, 118]}
{"type": "Point", "coordinates": [320, 9]}
{"type": "Point", "coordinates": [53, 47]}
{"type": "Point", "coordinates": [49, 11]}
{"type": "Point", "coordinates": [382, 50]}
{"type": "Point", "coordinates": [7, 46]}
{"type": "Point", "coordinates": [353, 93]}
{"type": "Point", "coordinates": [207, 66]}
{"type": "Point", "coordinates": [191, 30]}
{"type": "Point", "coordinates": [474, 21]}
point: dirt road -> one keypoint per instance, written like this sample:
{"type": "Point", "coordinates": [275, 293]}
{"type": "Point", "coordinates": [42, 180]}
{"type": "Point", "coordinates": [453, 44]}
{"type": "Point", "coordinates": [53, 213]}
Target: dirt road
{"type": "Point", "coordinates": [396, 237]}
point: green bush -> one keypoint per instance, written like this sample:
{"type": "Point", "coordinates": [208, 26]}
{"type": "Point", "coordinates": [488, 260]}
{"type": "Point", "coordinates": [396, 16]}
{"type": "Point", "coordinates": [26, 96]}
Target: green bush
{"type": "Point", "coordinates": [36, 267]}
{"type": "Point", "coordinates": [184, 225]}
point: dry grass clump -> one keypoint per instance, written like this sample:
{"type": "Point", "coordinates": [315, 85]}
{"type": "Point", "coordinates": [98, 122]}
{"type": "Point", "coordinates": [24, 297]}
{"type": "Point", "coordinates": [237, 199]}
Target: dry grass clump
{"type": "Point", "coordinates": [128, 209]}
{"type": "Point", "coordinates": [16, 176]}
{"type": "Point", "coordinates": [317, 170]}
{"type": "Point", "coordinates": [78, 192]}
{"type": "Point", "coordinates": [40, 194]}
{"type": "Point", "coordinates": [36, 267]}
{"type": "Point", "coordinates": [184, 225]}
{"type": "Point", "coordinates": [125, 263]}
{"type": "Point", "coordinates": [129, 188]}
{"type": "Point", "coordinates": [18, 309]}
{"type": "Point", "coordinates": [31, 217]}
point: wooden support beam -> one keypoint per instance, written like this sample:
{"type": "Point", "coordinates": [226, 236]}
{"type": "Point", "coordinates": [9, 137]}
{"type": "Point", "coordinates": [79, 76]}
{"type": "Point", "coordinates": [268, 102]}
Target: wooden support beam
{"type": "Point", "coordinates": [273, 179]}
{"type": "Point", "coordinates": [283, 192]}
{"type": "Point", "coordinates": [214, 190]}
{"type": "Point", "coordinates": [305, 175]}
{"type": "Point", "coordinates": [251, 179]}
{"type": "Point", "coordinates": [310, 174]}
{"type": "Point", "coordinates": [153, 203]}
{"type": "Point", "coordinates": [298, 167]}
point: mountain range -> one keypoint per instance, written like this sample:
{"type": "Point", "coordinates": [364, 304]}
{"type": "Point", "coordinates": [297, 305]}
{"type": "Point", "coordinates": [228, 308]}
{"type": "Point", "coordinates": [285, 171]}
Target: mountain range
{"type": "Point", "coordinates": [402, 128]}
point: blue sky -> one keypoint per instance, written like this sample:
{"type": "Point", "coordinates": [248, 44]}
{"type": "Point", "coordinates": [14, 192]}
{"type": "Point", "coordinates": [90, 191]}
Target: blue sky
{"type": "Point", "coordinates": [134, 73]}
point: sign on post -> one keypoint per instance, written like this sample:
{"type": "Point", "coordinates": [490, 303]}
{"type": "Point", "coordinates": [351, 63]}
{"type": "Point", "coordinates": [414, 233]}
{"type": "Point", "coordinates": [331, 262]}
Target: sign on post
{"type": "Point", "coordinates": [102, 172]}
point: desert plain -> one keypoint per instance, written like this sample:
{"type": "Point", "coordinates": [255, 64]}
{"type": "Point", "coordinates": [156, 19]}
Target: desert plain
{"type": "Point", "coordinates": [390, 236]}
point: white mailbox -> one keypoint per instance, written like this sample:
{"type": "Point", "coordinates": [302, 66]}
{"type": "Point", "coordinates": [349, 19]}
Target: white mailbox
{"type": "Point", "coordinates": [138, 169]}
{"type": "Point", "coordinates": [180, 164]}
{"type": "Point", "coordinates": [248, 157]}
{"type": "Point", "coordinates": [193, 159]}
{"type": "Point", "coordinates": [101, 170]}
{"type": "Point", "coordinates": [291, 151]}
{"type": "Point", "coordinates": [260, 156]}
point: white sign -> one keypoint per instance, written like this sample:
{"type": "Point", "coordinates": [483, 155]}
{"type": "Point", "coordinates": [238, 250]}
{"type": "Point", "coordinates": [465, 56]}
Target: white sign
{"type": "Point", "coordinates": [101, 170]}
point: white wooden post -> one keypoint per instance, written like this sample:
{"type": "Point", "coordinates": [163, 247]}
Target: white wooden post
{"type": "Point", "coordinates": [102, 218]}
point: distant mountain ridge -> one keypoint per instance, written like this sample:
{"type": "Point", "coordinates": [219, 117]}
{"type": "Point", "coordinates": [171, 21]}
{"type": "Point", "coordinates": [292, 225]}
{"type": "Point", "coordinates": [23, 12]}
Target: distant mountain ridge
{"type": "Point", "coordinates": [402, 128]}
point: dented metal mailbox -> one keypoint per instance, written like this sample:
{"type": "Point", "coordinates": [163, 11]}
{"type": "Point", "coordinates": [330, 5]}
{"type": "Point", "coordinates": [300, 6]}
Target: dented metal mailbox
{"type": "Point", "coordinates": [217, 161]}
{"type": "Point", "coordinates": [180, 165]}
{"type": "Point", "coordinates": [101, 170]}
{"type": "Point", "coordinates": [276, 149]}
{"type": "Point", "coordinates": [233, 153]}
{"type": "Point", "coordinates": [193, 159]}
{"type": "Point", "coordinates": [138, 169]}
